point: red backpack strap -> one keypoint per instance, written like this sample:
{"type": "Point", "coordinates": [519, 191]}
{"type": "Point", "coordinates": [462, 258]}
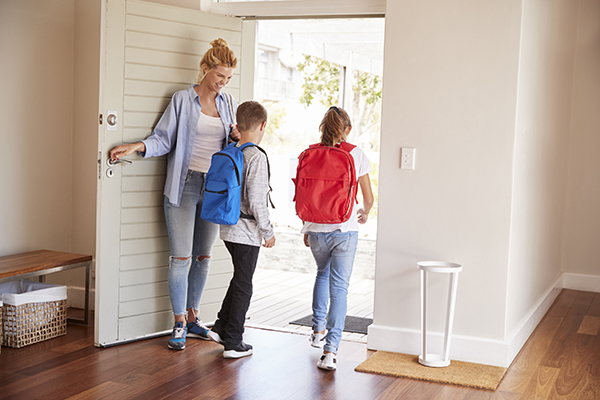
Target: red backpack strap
{"type": "Point", "coordinates": [347, 146]}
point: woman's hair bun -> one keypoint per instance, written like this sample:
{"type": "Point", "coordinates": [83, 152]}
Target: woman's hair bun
{"type": "Point", "coordinates": [219, 43]}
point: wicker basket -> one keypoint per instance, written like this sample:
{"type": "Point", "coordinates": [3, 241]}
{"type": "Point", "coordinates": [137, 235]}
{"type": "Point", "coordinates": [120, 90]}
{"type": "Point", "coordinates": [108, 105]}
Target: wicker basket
{"type": "Point", "coordinates": [26, 322]}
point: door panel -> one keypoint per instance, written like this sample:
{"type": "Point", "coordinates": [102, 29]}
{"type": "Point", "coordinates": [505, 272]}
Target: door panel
{"type": "Point", "coordinates": [150, 52]}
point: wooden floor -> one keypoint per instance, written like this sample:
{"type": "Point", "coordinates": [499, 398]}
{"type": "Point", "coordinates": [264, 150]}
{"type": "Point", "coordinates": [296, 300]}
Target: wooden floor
{"type": "Point", "coordinates": [560, 361]}
{"type": "Point", "coordinates": [282, 296]}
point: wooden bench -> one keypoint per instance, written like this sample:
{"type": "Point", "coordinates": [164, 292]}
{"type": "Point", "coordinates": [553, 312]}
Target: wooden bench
{"type": "Point", "coordinates": [42, 262]}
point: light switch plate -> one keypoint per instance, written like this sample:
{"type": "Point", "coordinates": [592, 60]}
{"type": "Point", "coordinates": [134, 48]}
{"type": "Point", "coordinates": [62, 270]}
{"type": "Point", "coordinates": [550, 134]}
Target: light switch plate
{"type": "Point", "coordinates": [407, 158]}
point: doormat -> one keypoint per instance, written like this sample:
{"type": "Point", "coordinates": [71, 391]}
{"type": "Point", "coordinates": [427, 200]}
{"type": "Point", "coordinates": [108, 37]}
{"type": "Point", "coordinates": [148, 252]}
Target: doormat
{"type": "Point", "coordinates": [352, 324]}
{"type": "Point", "coordinates": [457, 373]}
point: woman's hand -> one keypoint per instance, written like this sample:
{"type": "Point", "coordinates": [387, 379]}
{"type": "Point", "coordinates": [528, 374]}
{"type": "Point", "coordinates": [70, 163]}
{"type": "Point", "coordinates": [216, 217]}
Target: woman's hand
{"type": "Point", "coordinates": [235, 133]}
{"type": "Point", "coordinates": [126, 149]}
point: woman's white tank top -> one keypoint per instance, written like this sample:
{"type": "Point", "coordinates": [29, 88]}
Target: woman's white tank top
{"type": "Point", "coordinates": [209, 139]}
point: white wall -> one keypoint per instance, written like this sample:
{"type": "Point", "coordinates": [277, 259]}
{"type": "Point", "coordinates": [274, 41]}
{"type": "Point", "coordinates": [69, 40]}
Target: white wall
{"type": "Point", "coordinates": [36, 110]}
{"type": "Point", "coordinates": [541, 155]}
{"type": "Point", "coordinates": [582, 218]}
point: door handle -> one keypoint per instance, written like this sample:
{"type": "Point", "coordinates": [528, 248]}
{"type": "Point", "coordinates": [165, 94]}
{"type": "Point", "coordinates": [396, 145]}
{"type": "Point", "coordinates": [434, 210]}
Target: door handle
{"type": "Point", "coordinates": [112, 163]}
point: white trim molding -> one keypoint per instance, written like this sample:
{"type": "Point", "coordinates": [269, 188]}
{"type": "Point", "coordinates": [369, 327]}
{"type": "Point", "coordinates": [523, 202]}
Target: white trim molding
{"type": "Point", "coordinates": [300, 8]}
{"type": "Point", "coordinates": [76, 297]}
{"type": "Point", "coordinates": [586, 283]}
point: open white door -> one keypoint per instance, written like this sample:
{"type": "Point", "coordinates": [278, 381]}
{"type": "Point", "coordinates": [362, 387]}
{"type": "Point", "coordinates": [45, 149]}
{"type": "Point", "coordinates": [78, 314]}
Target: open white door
{"type": "Point", "coordinates": [150, 51]}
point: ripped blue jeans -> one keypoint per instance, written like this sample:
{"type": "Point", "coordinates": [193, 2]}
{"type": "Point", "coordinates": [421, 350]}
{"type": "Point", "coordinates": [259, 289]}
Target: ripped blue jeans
{"type": "Point", "coordinates": [191, 238]}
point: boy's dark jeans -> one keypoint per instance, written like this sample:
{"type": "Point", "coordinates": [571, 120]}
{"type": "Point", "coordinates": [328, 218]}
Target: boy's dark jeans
{"type": "Point", "coordinates": [232, 316]}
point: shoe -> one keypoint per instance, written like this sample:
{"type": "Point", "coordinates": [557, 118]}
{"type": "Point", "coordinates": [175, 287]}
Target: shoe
{"type": "Point", "coordinates": [241, 350]}
{"type": "Point", "coordinates": [317, 339]}
{"type": "Point", "coordinates": [197, 329]}
{"type": "Point", "coordinates": [214, 336]}
{"type": "Point", "coordinates": [327, 361]}
{"type": "Point", "coordinates": [177, 340]}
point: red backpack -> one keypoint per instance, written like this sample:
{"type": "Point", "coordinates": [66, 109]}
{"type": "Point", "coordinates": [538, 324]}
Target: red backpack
{"type": "Point", "coordinates": [326, 183]}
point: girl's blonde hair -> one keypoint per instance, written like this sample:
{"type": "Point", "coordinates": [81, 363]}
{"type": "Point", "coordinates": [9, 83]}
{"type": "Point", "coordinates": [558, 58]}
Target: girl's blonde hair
{"type": "Point", "coordinates": [218, 55]}
{"type": "Point", "coordinates": [334, 126]}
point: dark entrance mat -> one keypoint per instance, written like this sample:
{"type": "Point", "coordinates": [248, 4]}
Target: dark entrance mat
{"type": "Point", "coordinates": [353, 324]}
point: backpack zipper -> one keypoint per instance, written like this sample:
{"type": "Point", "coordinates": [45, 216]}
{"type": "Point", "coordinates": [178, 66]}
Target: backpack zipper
{"type": "Point", "coordinates": [237, 172]}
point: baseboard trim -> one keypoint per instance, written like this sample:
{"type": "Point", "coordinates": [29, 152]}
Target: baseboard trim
{"type": "Point", "coordinates": [76, 297]}
{"type": "Point", "coordinates": [531, 321]}
{"type": "Point", "coordinates": [463, 348]}
{"type": "Point", "coordinates": [586, 283]}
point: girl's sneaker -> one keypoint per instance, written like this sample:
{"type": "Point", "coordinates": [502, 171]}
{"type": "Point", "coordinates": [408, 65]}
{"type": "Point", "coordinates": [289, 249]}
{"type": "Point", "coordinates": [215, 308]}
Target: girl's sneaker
{"type": "Point", "coordinates": [327, 361]}
{"type": "Point", "coordinates": [177, 340]}
{"type": "Point", "coordinates": [317, 339]}
{"type": "Point", "coordinates": [197, 329]}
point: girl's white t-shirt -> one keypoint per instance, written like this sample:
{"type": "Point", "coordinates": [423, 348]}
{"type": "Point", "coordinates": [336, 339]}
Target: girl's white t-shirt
{"type": "Point", "coordinates": [209, 140]}
{"type": "Point", "coordinates": [363, 167]}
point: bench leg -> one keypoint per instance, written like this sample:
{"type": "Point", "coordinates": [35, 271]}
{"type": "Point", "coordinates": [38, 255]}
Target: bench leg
{"type": "Point", "coordinates": [87, 312]}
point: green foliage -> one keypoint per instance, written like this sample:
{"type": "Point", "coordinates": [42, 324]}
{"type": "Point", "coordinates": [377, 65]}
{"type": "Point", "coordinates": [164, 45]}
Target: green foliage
{"type": "Point", "coordinates": [322, 79]}
{"type": "Point", "coordinates": [368, 86]}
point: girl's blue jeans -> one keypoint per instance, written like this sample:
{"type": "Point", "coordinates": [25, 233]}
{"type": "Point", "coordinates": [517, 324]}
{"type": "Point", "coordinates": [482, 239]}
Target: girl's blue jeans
{"type": "Point", "coordinates": [334, 254]}
{"type": "Point", "coordinates": [192, 239]}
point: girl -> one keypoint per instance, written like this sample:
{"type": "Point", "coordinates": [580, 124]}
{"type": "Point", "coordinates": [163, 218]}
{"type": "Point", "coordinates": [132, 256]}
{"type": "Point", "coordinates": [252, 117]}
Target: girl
{"type": "Point", "coordinates": [333, 246]}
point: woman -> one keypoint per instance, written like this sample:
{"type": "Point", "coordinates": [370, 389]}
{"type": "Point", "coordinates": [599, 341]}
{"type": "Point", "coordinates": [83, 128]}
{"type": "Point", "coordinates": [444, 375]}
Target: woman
{"type": "Point", "coordinates": [334, 246]}
{"type": "Point", "coordinates": [195, 125]}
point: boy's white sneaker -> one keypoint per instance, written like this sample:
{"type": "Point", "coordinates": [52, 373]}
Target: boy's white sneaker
{"type": "Point", "coordinates": [317, 339]}
{"type": "Point", "coordinates": [327, 361]}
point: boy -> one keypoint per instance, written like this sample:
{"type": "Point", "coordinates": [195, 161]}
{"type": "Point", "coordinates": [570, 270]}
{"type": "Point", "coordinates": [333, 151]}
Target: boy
{"type": "Point", "coordinates": [243, 239]}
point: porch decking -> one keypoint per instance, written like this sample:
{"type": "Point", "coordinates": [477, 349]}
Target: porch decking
{"type": "Point", "coordinates": [284, 296]}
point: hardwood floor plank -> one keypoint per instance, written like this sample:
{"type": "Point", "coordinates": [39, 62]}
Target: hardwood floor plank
{"type": "Point", "coordinates": [594, 310]}
{"type": "Point", "coordinates": [582, 303]}
{"type": "Point", "coordinates": [562, 304]}
{"type": "Point", "coordinates": [542, 384]}
{"type": "Point", "coordinates": [98, 392]}
{"type": "Point", "coordinates": [561, 347]}
{"type": "Point", "coordinates": [576, 367]}
{"type": "Point", "coordinates": [589, 326]}
{"type": "Point", "coordinates": [526, 364]}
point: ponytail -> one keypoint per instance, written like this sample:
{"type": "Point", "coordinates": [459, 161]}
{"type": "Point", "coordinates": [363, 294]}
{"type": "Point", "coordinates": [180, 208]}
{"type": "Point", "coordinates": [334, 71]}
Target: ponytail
{"type": "Point", "coordinates": [334, 126]}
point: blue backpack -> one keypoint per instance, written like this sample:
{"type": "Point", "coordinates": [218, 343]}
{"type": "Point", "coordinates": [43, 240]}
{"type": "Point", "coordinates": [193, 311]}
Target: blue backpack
{"type": "Point", "coordinates": [223, 186]}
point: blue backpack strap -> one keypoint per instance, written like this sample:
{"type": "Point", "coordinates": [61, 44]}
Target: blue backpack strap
{"type": "Point", "coordinates": [248, 144]}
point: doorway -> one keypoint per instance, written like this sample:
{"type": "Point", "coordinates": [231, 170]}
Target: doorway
{"type": "Point", "coordinates": [303, 67]}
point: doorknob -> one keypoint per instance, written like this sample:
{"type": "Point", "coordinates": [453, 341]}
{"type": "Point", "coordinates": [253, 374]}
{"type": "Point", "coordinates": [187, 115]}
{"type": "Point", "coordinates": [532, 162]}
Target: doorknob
{"type": "Point", "coordinates": [112, 163]}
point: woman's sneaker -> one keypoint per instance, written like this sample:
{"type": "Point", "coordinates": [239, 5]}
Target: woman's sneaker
{"type": "Point", "coordinates": [327, 361]}
{"type": "Point", "coordinates": [177, 340]}
{"type": "Point", "coordinates": [241, 350]}
{"type": "Point", "coordinates": [317, 339]}
{"type": "Point", "coordinates": [197, 329]}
